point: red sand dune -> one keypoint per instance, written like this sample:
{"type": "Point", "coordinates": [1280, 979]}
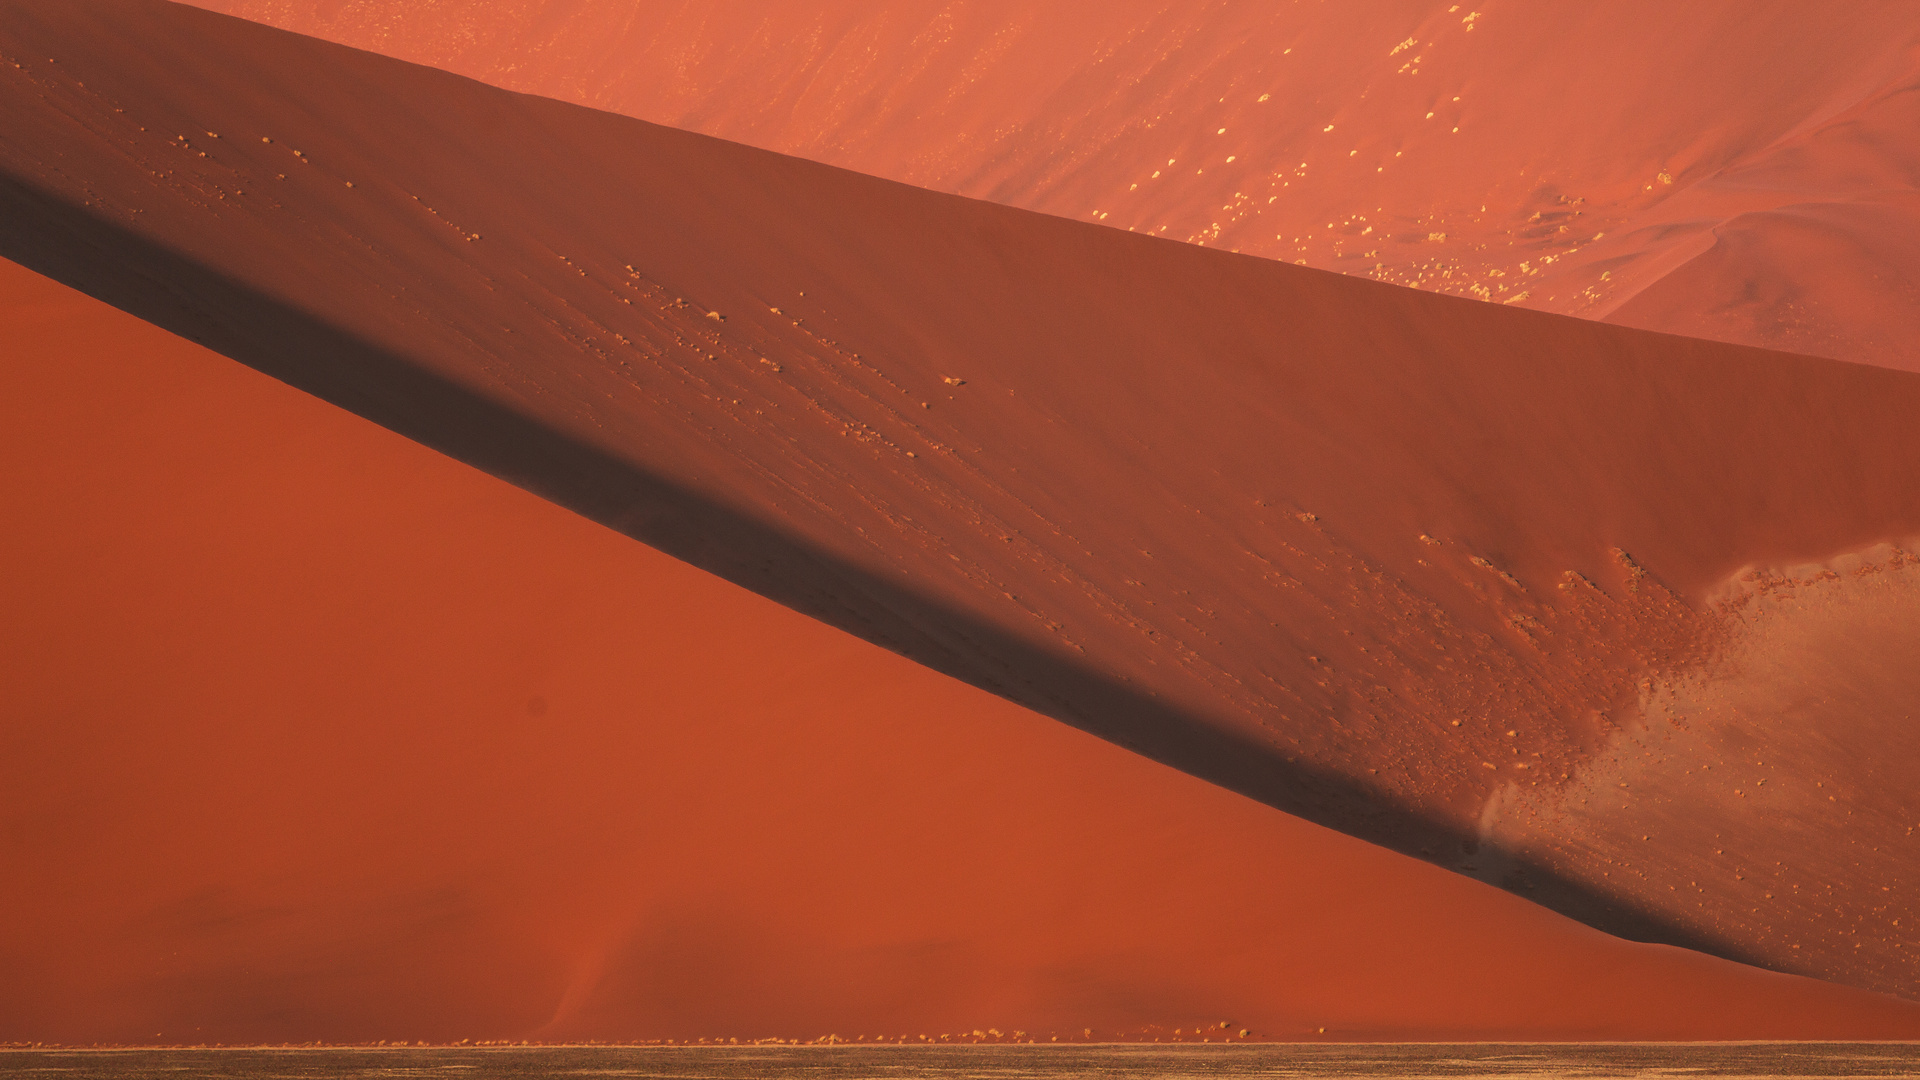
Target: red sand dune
{"type": "Point", "coordinates": [315, 733]}
{"type": "Point", "coordinates": [1725, 169]}
{"type": "Point", "coordinates": [1425, 570]}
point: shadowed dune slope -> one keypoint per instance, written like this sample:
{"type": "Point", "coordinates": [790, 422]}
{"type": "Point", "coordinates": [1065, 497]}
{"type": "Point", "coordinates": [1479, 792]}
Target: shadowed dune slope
{"type": "Point", "coordinates": [1738, 171]}
{"type": "Point", "coordinates": [1407, 565]}
{"type": "Point", "coordinates": [312, 733]}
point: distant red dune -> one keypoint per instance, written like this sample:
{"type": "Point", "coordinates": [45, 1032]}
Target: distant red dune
{"type": "Point", "coordinates": [1530, 597]}
{"type": "Point", "coordinates": [1738, 171]}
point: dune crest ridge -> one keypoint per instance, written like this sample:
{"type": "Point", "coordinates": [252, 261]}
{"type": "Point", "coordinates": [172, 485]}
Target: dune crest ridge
{"type": "Point", "coordinates": [1367, 554]}
{"type": "Point", "coordinates": [315, 734]}
{"type": "Point", "coordinates": [1739, 171]}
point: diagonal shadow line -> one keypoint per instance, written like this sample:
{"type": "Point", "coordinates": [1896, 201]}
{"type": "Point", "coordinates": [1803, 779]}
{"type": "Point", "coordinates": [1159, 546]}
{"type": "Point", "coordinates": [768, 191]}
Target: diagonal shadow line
{"type": "Point", "coordinates": [110, 262]}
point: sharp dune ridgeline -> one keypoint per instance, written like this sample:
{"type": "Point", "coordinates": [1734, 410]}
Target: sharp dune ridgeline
{"type": "Point", "coordinates": [1736, 171]}
{"type": "Point", "coordinates": [1534, 598]}
{"type": "Point", "coordinates": [316, 734]}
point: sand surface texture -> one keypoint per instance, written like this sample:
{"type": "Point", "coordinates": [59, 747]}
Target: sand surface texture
{"type": "Point", "coordinates": [1422, 569]}
{"type": "Point", "coordinates": [1734, 170]}
{"type": "Point", "coordinates": [314, 733]}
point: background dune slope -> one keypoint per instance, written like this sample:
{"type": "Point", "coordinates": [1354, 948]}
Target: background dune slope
{"type": "Point", "coordinates": [312, 733]}
{"type": "Point", "coordinates": [1411, 566]}
{"type": "Point", "coordinates": [1740, 171]}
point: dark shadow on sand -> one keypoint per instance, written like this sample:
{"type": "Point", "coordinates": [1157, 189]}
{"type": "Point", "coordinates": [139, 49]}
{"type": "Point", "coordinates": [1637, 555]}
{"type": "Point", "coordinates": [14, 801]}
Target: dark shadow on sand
{"type": "Point", "coordinates": [72, 245]}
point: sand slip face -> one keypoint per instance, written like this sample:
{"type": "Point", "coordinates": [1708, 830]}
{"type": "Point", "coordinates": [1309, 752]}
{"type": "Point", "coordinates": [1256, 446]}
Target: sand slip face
{"type": "Point", "coordinates": [313, 733]}
{"type": "Point", "coordinates": [1801, 728]}
{"type": "Point", "coordinates": [1369, 555]}
{"type": "Point", "coordinates": [1739, 171]}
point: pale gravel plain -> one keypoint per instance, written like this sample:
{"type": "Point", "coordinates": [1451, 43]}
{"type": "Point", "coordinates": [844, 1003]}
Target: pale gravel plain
{"type": "Point", "coordinates": [1401, 1061]}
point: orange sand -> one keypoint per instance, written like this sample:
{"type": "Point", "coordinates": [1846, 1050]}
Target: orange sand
{"type": "Point", "coordinates": [315, 733]}
{"type": "Point", "coordinates": [1417, 568]}
{"type": "Point", "coordinates": [1736, 170]}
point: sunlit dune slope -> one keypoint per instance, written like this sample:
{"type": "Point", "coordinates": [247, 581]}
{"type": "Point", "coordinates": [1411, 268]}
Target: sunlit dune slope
{"type": "Point", "coordinates": [1732, 170]}
{"type": "Point", "coordinates": [314, 733]}
{"type": "Point", "coordinates": [1421, 569]}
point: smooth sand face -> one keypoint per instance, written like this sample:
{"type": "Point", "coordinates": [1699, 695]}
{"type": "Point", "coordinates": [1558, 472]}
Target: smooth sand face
{"type": "Point", "coordinates": [1729, 170]}
{"type": "Point", "coordinates": [1391, 561]}
{"type": "Point", "coordinates": [315, 733]}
